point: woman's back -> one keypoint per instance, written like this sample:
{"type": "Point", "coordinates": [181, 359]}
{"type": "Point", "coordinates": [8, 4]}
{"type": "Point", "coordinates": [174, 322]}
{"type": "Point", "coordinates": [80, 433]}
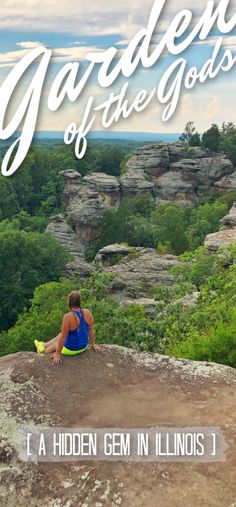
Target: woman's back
{"type": "Point", "coordinates": [78, 336]}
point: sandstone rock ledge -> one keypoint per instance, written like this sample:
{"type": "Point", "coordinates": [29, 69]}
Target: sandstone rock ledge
{"type": "Point", "coordinates": [140, 390]}
{"type": "Point", "coordinates": [226, 236]}
{"type": "Point", "coordinates": [137, 270]}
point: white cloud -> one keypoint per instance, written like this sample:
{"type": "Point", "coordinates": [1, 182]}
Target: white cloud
{"type": "Point", "coordinates": [73, 53]}
{"type": "Point", "coordinates": [213, 108]}
{"type": "Point", "coordinates": [100, 17]}
{"type": "Point", "coordinates": [204, 107]}
{"type": "Point", "coordinates": [89, 18]}
{"type": "Point", "coordinates": [10, 58]}
{"type": "Point", "coordinates": [123, 42]}
{"type": "Point", "coordinates": [78, 43]}
{"type": "Point", "coordinates": [28, 44]}
{"type": "Point", "coordinates": [228, 41]}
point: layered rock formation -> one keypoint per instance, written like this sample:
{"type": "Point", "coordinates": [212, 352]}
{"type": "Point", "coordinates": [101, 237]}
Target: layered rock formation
{"type": "Point", "coordinates": [227, 183]}
{"type": "Point", "coordinates": [64, 233]}
{"type": "Point", "coordinates": [120, 388]}
{"type": "Point", "coordinates": [226, 235]}
{"type": "Point", "coordinates": [168, 173]}
{"type": "Point", "coordinates": [86, 199]}
{"type": "Point", "coordinates": [139, 271]}
{"type": "Point", "coordinates": [177, 174]}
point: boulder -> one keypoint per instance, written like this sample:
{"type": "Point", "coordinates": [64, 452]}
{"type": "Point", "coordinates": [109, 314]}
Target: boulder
{"type": "Point", "coordinates": [120, 388]}
{"type": "Point", "coordinates": [227, 183]}
{"type": "Point", "coordinates": [185, 165]}
{"type": "Point", "coordinates": [153, 159]}
{"type": "Point", "coordinates": [70, 175]}
{"type": "Point", "coordinates": [204, 171]}
{"type": "Point", "coordinates": [229, 220]}
{"type": "Point", "coordinates": [110, 253]}
{"type": "Point", "coordinates": [64, 233]}
{"type": "Point", "coordinates": [217, 240]}
{"type": "Point", "coordinates": [226, 236]}
{"type": "Point", "coordinates": [176, 187]}
{"type": "Point", "coordinates": [209, 170]}
{"type": "Point", "coordinates": [72, 180]}
{"type": "Point", "coordinates": [134, 182]}
{"type": "Point", "coordinates": [141, 270]}
{"type": "Point", "coordinates": [108, 185]}
{"type": "Point", "coordinates": [177, 151]}
{"type": "Point", "coordinates": [149, 305]}
{"type": "Point", "coordinates": [189, 300]}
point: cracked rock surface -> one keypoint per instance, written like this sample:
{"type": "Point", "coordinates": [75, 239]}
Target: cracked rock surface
{"type": "Point", "coordinates": [118, 388]}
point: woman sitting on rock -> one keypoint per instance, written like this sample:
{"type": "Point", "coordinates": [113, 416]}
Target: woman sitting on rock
{"type": "Point", "coordinates": [77, 330]}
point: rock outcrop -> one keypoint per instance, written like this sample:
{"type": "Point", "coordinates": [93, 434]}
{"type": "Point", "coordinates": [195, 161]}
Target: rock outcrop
{"type": "Point", "coordinates": [176, 187]}
{"type": "Point", "coordinates": [227, 234]}
{"type": "Point", "coordinates": [168, 173]}
{"type": "Point", "coordinates": [189, 301]}
{"type": "Point", "coordinates": [227, 183]}
{"type": "Point", "coordinates": [86, 200]}
{"type": "Point", "coordinates": [64, 233]}
{"type": "Point", "coordinates": [177, 174]}
{"type": "Point", "coordinates": [137, 270]}
{"type": "Point", "coordinates": [149, 304]}
{"type": "Point", "coordinates": [135, 182]}
{"type": "Point", "coordinates": [120, 388]}
{"type": "Point", "coordinates": [117, 251]}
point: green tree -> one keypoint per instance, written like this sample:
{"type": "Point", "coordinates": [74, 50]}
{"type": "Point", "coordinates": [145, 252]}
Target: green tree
{"type": "Point", "coordinates": [113, 324]}
{"type": "Point", "coordinates": [190, 136]}
{"type": "Point", "coordinates": [25, 222]}
{"type": "Point", "coordinates": [170, 221]}
{"type": "Point", "coordinates": [23, 185]}
{"type": "Point", "coordinates": [202, 221]}
{"type": "Point", "coordinates": [27, 260]}
{"type": "Point", "coordinates": [196, 267]}
{"type": "Point", "coordinates": [211, 138]}
{"type": "Point", "coordinates": [228, 140]}
{"type": "Point", "coordinates": [129, 223]}
{"type": "Point", "coordinates": [9, 204]}
{"type": "Point", "coordinates": [109, 160]}
{"type": "Point", "coordinates": [168, 227]}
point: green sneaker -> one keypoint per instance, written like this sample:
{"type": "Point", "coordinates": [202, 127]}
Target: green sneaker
{"type": "Point", "coordinates": [39, 346]}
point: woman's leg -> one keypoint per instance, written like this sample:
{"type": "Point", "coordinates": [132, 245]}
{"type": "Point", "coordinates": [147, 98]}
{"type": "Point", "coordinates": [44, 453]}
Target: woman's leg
{"type": "Point", "coordinates": [51, 346]}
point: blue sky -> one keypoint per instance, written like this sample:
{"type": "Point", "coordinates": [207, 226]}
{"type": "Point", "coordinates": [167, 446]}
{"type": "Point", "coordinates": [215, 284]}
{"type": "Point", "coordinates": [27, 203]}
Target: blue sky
{"type": "Point", "coordinates": [74, 28]}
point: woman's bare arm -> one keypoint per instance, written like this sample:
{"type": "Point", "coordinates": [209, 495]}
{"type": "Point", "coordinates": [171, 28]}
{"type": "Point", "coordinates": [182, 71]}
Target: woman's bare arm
{"type": "Point", "coordinates": [62, 338]}
{"type": "Point", "coordinates": [90, 320]}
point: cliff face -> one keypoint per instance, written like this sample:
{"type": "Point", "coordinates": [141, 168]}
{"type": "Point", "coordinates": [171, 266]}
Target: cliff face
{"type": "Point", "coordinates": [168, 173]}
{"type": "Point", "coordinates": [120, 388]}
{"type": "Point", "coordinates": [64, 233]}
{"type": "Point", "coordinates": [86, 200]}
{"type": "Point", "coordinates": [177, 175]}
